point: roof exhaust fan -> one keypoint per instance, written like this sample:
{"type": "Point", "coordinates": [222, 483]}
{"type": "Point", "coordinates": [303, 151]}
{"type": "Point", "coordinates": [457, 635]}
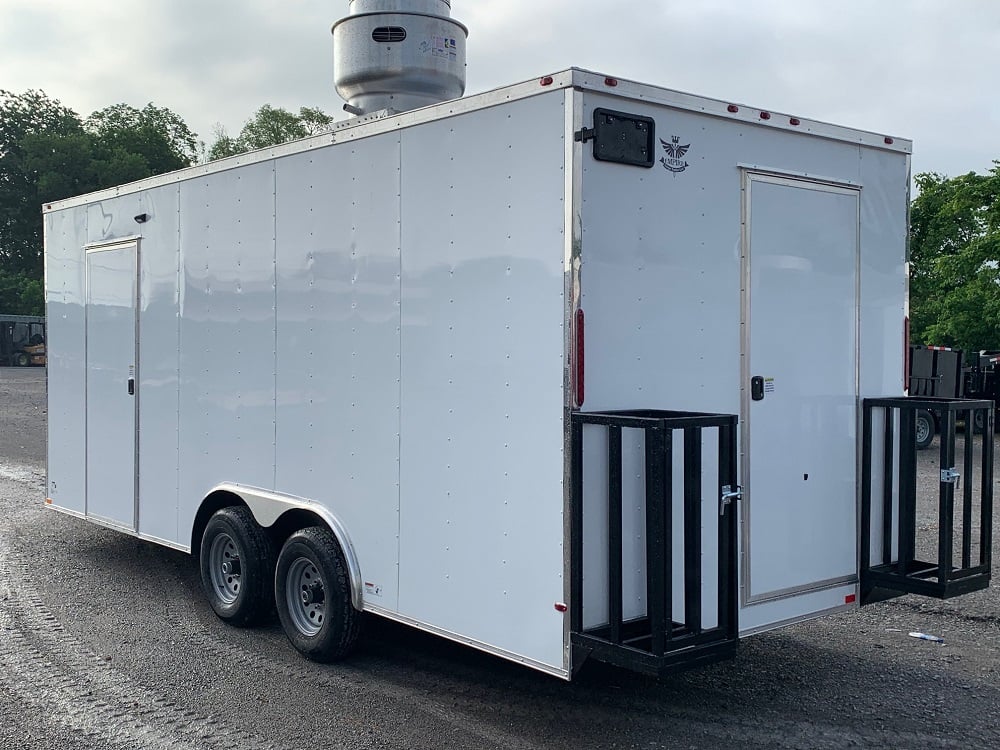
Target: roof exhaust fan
{"type": "Point", "coordinates": [396, 55]}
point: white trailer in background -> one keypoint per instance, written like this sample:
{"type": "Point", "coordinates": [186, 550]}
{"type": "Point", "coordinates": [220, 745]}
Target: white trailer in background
{"type": "Point", "coordinates": [378, 369]}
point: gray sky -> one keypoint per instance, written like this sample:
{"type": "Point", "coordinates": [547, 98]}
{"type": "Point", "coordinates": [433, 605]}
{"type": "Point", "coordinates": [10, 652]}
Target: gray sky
{"type": "Point", "coordinates": [922, 69]}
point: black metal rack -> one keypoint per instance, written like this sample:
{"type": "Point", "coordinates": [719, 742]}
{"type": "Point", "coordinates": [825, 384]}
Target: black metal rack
{"type": "Point", "coordinates": [898, 571]}
{"type": "Point", "coordinates": [655, 643]}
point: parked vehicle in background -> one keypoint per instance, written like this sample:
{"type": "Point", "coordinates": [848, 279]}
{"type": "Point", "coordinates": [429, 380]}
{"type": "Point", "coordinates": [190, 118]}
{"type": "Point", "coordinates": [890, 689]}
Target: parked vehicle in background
{"type": "Point", "coordinates": [935, 372]}
{"type": "Point", "coordinates": [981, 380]}
{"type": "Point", "coordinates": [22, 340]}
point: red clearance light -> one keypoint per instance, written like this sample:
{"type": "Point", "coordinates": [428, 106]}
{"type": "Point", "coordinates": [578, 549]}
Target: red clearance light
{"type": "Point", "coordinates": [906, 354]}
{"type": "Point", "coordinates": [547, 81]}
{"type": "Point", "coordinates": [765, 115]}
{"type": "Point", "coordinates": [560, 607]}
{"type": "Point", "coordinates": [612, 82]}
{"type": "Point", "coordinates": [580, 393]}
{"type": "Point", "coordinates": [889, 141]}
{"type": "Point", "coordinates": [733, 108]}
{"type": "Point", "coordinates": [850, 599]}
{"type": "Point", "coordinates": [794, 121]}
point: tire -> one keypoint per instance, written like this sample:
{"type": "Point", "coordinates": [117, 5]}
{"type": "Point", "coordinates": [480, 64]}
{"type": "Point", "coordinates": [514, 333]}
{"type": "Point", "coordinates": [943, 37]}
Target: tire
{"type": "Point", "coordinates": [237, 567]}
{"type": "Point", "coordinates": [21, 359]}
{"type": "Point", "coordinates": [978, 422]}
{"type": "Point", "coordinates": [925, 429]}
{"type": "Point", "coordinates": [312, 592]}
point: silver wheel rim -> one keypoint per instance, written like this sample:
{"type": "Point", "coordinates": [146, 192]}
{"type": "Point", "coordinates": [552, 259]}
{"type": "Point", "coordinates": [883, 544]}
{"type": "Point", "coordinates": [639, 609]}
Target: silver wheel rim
{"type": "Point", "coordinates": [923, 430]}
{"type": "Point", "coordinates": [224, 565]}
{"type": "Point", "coordinates": [305, 596]}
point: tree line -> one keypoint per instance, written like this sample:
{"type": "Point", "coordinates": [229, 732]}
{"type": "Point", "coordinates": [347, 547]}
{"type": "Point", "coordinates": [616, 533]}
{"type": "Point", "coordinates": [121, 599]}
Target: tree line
{"type": "Point", "coordinates": [48, 152]}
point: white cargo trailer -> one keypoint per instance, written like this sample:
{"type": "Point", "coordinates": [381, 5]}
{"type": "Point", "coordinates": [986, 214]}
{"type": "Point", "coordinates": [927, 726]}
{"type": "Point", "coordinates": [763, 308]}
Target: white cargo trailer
{"type": "Point", "coordinates": [478, 368]}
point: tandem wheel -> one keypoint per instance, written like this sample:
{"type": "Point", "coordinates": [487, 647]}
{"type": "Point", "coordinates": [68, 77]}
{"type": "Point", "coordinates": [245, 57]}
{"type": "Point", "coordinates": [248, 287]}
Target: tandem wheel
{"type": "Point", "coordinates": [313, 596]}
{"type": "Point", "coordinates": [237, 567]}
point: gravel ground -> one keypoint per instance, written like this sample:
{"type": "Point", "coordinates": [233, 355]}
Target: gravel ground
{"type": "Point", "coordinates": [106, 641]}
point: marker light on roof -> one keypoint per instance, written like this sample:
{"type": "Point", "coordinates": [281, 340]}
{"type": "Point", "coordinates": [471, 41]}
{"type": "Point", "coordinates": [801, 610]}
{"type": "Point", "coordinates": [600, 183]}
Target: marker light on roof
{"type": "Point", "coordinates": [889, 140]}
{"type": "Point", "coordinates": [611, 82]}
{"type": "Point", "coordinates": [794, 121]}
{"type": "Point", "coordinates": [765, 115]}
{"type": "Point", "coordinates": [547, 81]}
{"type": "Point", "coordinates": [733, 108]}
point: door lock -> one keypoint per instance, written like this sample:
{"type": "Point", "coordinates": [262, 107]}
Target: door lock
{"type": "Point", "coordinates": [757, 387]}
{"type": "Point", "coordinates": [729, 493]}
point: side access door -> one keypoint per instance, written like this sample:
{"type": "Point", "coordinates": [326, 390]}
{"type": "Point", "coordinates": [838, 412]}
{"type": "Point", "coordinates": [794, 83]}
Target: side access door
{"type": "Point", "coordinates": [800, 392]}
{"type": "Point", "coordinates": [111, 384]}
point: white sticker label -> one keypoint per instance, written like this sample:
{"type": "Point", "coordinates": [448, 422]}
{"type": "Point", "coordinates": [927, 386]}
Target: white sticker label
{"type": "Point", "coordinates": [373, 589]}
{"type": "Point", "coordinates": [768, 385]}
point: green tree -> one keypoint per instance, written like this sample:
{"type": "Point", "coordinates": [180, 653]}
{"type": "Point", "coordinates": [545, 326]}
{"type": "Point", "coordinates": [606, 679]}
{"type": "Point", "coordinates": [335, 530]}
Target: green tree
{"type": "Point", "coordinates": [269, 126]}
{"type": "Point", "coordinates": [955, 261]}
{"type": "Point", "coordinates": [47, 153]}
{"type": "Point", "coordinates": [160, 138]}
{"type": "Point", "coordinates": [24, 118]}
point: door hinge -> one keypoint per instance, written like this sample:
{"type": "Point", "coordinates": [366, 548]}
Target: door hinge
{"type": "Point", "coordinates": [950, 476]}
{"type": "Point", "coordinates": [584, 135]}
{"type": "Point", "coordinates": [728, 495]}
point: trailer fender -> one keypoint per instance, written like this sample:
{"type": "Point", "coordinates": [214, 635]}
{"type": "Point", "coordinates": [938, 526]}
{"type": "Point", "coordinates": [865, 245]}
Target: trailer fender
{"type": "Point", "coordinates": [268, 506]}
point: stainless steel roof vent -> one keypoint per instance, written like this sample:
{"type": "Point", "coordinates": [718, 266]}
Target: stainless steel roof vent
{"type": "Point", "coordinates": [398, 55]}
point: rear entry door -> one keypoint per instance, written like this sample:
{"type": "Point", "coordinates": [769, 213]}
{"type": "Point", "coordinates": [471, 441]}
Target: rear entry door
{"type": "Point", "coordinates": [800, 335]}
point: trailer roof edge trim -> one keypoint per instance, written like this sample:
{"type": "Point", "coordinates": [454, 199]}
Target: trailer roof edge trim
{"type": "Point", "coordinates": [585, 80]}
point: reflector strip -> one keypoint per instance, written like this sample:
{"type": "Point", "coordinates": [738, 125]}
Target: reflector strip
{"type": "Point", "coordinates": [580, 357]}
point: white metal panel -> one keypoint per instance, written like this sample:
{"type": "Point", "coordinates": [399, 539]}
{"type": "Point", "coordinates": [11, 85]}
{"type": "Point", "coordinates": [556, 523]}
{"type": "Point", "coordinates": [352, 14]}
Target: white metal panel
{"type": "Point", "coordinates": [774, 613]}
{"type": "Point", "coordinates": [227, 334]}
{"type": "Point", "coordinates": [884, 212]}
{"type": "Point", "coordinates": [113, 218]}
{"type": "Point", "coordinates": [65, 290]}
{"type": "Point", "coordinates": [338, 345]}
{"type": "Point", "coordinates": [481, 539]}
{"type": "Point", "coordinates": [158, 382]}
{"type": "Point", "coordinates": [660, 273]}
{"type": "Point", "coordinates": [111, 362]}
{"type": "Point", "coordinates": [800, 480]}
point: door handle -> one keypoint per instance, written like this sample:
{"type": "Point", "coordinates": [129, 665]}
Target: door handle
{"type": "Point", "coordinates": [757, 388]}
{"type": "Point", "coordinates": [131, 386]}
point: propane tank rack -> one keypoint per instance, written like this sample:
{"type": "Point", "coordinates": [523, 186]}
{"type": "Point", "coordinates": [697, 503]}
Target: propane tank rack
{"type": "Point", "coordinates": [898, 554]}
{"type": "Point", "coordinates": [667, 635]}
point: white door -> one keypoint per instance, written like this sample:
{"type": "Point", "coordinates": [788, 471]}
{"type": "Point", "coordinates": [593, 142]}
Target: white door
{"type": "Point", "coordinates": [800, 386]}
{"type": "Point", "coordinates": [111, 384]}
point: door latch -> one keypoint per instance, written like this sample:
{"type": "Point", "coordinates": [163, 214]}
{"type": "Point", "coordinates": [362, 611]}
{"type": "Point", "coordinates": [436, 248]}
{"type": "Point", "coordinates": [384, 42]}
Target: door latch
{"type": "Point", "coordinates": [729, 493]}
{"type": "Point", "coordinates": [950, 476]}
{"type": "Point", "coordinates": [757, 388]}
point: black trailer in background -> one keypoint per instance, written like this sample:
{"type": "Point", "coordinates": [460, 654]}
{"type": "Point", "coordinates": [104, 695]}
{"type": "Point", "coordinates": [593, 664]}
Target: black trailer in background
{"type": "Point", "coordinates": [935, 372]}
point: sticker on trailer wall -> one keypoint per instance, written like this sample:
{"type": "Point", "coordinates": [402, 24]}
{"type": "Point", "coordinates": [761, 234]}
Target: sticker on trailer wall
{"type": "Point", "coordinates": [441, 46]}
{"type": "Point", "coordinates": [768, 385]}
{"type": "Point", "coordinates": [673, 161]}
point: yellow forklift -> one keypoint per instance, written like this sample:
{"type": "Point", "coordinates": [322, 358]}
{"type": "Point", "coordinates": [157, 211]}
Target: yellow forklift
{"type": "Point", "coordinates": [22, 340]}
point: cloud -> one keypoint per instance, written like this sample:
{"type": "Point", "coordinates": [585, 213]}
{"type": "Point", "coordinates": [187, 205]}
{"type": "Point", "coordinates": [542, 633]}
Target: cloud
{"type": "Point", "coordinates": [916, 68]}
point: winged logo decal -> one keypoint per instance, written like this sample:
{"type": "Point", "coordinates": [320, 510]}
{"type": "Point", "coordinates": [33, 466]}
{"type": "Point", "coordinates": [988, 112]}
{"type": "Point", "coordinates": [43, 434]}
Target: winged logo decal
{"type": "Point", "coordinates": [674, 160]}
